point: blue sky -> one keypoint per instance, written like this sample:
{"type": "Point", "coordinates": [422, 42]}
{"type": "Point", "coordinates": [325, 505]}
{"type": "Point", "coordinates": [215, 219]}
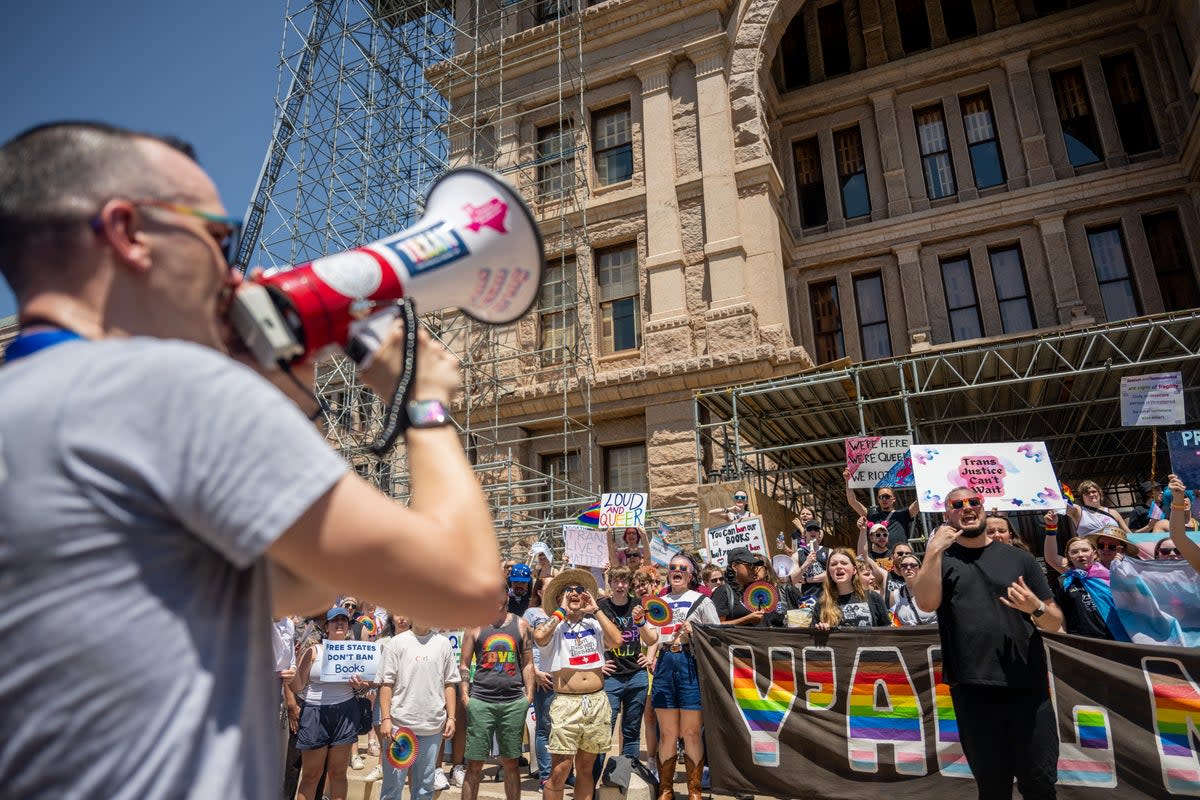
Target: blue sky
{"type": "Point", "coordinates": [203, 71]}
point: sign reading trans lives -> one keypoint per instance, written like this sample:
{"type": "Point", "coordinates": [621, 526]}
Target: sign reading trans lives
{"type": "Point", "coordinates": [1009, 476]}
{"type": "Point", "coordinates": [876, 462]}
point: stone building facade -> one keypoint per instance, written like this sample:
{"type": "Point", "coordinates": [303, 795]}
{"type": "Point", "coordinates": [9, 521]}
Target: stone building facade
{"type": "Point", "coordinates": [773, 185]}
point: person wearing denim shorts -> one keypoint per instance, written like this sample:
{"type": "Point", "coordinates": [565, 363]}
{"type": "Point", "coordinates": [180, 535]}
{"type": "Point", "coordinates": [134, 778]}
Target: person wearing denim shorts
{"type": "Point", "coordinates": [676, 692]}
{"type": "Point", "coordinates": [497, 697]}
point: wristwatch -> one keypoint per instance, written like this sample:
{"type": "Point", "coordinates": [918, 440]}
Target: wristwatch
{"type": "Point", "coordinates": [427, 414]}
{"type": "Point", "coordinates": [1041, 609]}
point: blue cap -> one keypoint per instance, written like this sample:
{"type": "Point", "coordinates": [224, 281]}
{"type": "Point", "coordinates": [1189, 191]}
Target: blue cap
{"type": "Point", "coordinates": [336, 611]}
{"type": "Point", "coordinates": [520, 574]}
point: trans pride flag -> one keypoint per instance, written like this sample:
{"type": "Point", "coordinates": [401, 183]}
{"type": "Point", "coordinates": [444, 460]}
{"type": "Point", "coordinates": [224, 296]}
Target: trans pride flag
{"type": "Point", "coordinates": [1158, 601]}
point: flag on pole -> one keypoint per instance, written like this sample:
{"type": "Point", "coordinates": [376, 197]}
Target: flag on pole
{"type": "Point", "coordinates": [590, 515]}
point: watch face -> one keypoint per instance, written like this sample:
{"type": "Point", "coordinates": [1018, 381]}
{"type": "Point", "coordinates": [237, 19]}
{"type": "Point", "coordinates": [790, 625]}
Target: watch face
{"type": "Point", "coordinates": [427, 413]}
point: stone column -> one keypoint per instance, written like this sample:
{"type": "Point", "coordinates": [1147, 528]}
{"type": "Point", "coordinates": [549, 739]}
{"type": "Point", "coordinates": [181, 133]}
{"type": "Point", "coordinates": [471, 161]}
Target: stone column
{"type": "Point", "coordinates": [894, 180]}
{"type": "Point", "coordinates": [872, 29]}
{"type": "Point", "coordinates": [908, 259]}
{"type": "Point", "coordinates": [668, 335]}
{"type": "Point", "coordinates": [671, 453]}
{"type": "Point", "coordinates": [508, 146]}
{"type": "Point", "coordinates": [1007, 13]}
{"type": "Point", "coordinates": [730, 317]}
{"type": "Point", "coordinates": [1106, 122]}
{"type": "Point", "coordinates": [1029, 122]}
{"type": "Point", "coordinates": [1069, 307]}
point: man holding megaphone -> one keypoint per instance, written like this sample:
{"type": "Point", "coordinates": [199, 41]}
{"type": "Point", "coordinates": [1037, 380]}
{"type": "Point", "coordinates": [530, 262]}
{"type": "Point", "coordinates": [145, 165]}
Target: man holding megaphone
{"type": "Point", "coordinates": [164, 501]}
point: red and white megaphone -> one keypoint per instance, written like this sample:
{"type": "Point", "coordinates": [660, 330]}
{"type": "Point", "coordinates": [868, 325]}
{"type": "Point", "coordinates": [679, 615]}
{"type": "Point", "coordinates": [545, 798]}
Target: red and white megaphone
{"type": "Point", "coordinates": [477, 248]}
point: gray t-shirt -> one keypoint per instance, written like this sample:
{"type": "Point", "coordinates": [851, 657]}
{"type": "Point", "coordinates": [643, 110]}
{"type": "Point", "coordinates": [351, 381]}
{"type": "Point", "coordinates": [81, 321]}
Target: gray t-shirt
{"type": "Point", "coordinates": [141, 482]}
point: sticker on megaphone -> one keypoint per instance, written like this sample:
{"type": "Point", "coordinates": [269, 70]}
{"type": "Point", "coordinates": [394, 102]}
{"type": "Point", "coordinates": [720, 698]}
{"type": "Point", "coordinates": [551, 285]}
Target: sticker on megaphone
{"type": "Point", "coordinates": [477, 249]}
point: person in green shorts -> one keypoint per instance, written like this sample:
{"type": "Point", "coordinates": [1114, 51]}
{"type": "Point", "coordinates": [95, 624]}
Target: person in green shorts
{"type": "Point", "coordinates": [498, 696]}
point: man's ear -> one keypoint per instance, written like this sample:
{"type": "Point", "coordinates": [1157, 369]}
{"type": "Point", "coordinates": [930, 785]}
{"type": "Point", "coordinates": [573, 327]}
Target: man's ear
{"type": "Point", "coordinates": [119, 224]}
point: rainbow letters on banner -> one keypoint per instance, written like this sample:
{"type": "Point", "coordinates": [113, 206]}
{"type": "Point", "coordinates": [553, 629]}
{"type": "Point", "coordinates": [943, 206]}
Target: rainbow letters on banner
{"type": "Point", "coordinates": [792, 713]}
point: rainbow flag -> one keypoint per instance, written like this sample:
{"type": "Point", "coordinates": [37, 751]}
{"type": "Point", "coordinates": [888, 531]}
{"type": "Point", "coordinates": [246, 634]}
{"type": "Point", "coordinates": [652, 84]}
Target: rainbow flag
{"type": "Point", "coordinates": [1068, 495]}
{"type": "Point", "coordinates": [590, 515]}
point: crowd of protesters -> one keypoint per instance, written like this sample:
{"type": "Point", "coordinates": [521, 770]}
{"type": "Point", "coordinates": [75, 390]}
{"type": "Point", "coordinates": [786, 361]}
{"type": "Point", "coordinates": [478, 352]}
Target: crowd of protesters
{"type": "Point", "coordinates": [597, 674]}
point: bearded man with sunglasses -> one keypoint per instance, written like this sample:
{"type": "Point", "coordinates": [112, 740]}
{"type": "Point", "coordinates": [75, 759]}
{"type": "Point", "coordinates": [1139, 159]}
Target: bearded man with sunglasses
{"type": "Point", "coordinates": [991, 601]}
{"type": "Point", "coordinates": [167, 501]}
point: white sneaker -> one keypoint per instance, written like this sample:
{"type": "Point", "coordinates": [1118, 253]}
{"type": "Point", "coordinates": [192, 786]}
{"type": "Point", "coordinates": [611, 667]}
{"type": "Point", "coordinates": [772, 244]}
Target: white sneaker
{"type": "Point", "coordinates": [458, 775]}
{"type": "Point", "coordinates": [440, 781]}
{"type": "Point", "coordinates": [356, 762]}
{"type": "Point", "coordinates": [376, 774]}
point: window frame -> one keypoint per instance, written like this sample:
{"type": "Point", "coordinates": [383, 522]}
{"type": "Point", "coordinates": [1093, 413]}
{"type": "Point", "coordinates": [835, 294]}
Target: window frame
{"type": "Point", "coordinates": [551, 354]}
{"type": "Point", "coordinates": [609, 476]}
{"type": "Point", "coordinates": [1092, 231]}
{"type": "Point", "coordinates": [992, 253]}
{"type": "Point", "coordinates": [563, 159]}
{"type": "Point", "coordinates": [607, 307]}
{"type": "Point", "coordinates": [865, 325]}
{"type": "Point", "coordinates": [965, 259]}
{"type": "Point", "coordinates": [1183, 268]}
{"type": "Point", "coordinates": [1133, 118]}
{"type": "Point", "coordinates": [834, 339]}
{"type": "Point", "coordinates": [982, 144]}
{"type": "Point", "coordinates": [942, 159]}
{"type": "Point", "coordinates": [600, 154]}
{"type": "Point", "coordinates": [1071, 127]}
{"type": "Point", "coordinates": [814, 189]}
{"type": "Point", "coordinates": [844, 178]}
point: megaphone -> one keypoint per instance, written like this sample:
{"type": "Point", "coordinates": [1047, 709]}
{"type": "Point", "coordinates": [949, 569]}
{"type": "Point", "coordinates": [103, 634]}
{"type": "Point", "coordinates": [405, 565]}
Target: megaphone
{"type": "Point", "coordinates": [477, 249]}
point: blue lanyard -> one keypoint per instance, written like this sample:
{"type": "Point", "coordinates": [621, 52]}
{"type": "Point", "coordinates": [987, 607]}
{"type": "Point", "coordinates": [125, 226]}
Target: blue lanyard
{"type": "Point", "coordinates": [26, 344]}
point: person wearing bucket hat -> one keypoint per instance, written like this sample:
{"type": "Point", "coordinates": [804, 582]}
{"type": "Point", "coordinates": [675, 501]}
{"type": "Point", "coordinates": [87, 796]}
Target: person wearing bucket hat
{"type": "Point", "coordinates": [1111, 543]}
{"type": "Point", "coordinates": [576, 637]}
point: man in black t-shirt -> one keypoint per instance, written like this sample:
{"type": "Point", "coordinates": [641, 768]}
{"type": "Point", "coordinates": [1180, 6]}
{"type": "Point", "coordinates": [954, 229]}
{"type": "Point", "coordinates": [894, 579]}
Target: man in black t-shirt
{"type": "Point", "coordinates": [991, 602]}
{"type": "Point", "coordinates": [898, 519]}
{"type": "Point", "coordinates": [625, 678]}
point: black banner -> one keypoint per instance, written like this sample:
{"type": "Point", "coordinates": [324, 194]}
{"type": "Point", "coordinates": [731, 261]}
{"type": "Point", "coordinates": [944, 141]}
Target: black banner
{"type": "Point", "coordinates": [799, 713]}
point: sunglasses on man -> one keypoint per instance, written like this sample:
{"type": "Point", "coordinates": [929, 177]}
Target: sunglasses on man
{"type": "Point", "coordinates": [967, 502]}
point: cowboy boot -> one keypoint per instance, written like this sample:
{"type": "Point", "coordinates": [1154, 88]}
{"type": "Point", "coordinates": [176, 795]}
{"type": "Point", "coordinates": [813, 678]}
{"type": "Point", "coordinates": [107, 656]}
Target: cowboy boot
{"type": "Point", "coordinates": [666, 778]}
{"type": "Point", "coordinates": [695, 771]}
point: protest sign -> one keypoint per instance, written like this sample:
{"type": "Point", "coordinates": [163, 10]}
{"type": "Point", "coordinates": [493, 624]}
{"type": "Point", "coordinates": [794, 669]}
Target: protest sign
{"type": "Point", "coordinates": [661, 551]}
{"type": "Point", "coordinates": [876, 462]}
{"type": "Point", "coordinates": [746, 532]}
{"type": "Point", "coordinates": [456, 638]}
{"type": "Point", "coordinates": [1184, 447]}
{"type": "Point", "coordinates": [864, 712]}
{"type": "Point", "coordinates": [1009, 476]}
{"type": "Point", "coordinates": [623, 510]}
{"type": "Point", "coordinates": [1148, 400]}
{"type": "Point", "coordinates": [343, 659]}
{"type": "Point", "coordinates": [586, 547]}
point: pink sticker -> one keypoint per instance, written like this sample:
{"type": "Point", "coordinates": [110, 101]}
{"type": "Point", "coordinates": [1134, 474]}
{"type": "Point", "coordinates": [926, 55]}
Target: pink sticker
{"type": "Point", "coordinates": [984, 474]}
{"type": "Point", "coordinates": [489, 215]}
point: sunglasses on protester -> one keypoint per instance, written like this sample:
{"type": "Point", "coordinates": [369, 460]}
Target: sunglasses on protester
{"type": "Point", "coordinates": [576, 589]}
{"type": "Point", "coordinates": [908, 566]}
{"type": "Point", "coordinates": [879, 534]}
{"type": "Point", "coordinates": [674, 568]}
{"type": "Point", "coordinates": [1111, 546]}
{"type": "Point", "coordinates": [970, 502]}
{"type": "Point", "coordinates": [228, 237]}
{"type": "Point", "coordinates": [1168, 551]}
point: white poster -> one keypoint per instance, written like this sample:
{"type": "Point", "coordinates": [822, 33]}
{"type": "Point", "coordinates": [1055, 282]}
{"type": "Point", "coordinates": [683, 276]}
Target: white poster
{"type": "Point", "coordinates": [586, 546]}
{"type": "Point", "coordinates": [661, 551]}
{"type": "Point", "coordinates": [1148, 400]}
{"type": "Point", "coordinates": [1009, 476]}
{"type": "Point", "coordinates": [876, 462]}
{"type": "Point", "coordinates": [344, 659]}
{"type": "Point", "coordinates": [623, 510]}
{"type": "Point", "coordinates": [745, 532]}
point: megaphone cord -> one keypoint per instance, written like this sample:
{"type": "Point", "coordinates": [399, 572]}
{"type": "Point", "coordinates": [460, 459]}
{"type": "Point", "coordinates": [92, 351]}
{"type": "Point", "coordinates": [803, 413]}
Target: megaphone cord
{"type": "Point", "coordinates": [322, 406]}
{"type": "Point", "coordinates": [396, 419]}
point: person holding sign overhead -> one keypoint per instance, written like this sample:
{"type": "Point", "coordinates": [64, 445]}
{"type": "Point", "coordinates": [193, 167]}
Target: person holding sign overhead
{"type": "Point", "coordinates": [898, 520]}
{"type": "Point", "coordinates": [330, 716]}
{"type": "Point", "coordinates": [1180, 514]}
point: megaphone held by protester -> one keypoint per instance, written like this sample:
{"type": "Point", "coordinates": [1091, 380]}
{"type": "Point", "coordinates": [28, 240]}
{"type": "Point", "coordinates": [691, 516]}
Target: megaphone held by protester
{"type": "Point", "coordinates": [477, 248]}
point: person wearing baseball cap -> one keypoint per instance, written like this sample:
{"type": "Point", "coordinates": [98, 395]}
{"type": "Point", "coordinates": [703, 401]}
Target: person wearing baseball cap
{"type": "Point", "coordinates": [520, 580]}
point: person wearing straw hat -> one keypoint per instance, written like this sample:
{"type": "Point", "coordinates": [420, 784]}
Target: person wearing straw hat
{"type": "Point", "coordinates": [575, 637]}
{"type": "Point", "coordinates": [1111, 543]}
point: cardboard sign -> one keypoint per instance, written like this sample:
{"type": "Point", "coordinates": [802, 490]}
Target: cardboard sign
{"type": "Point", "coordinates": [661, 551]}
{"type": "Point", "coordinates": [623, 510]}
{"type": "Point", "coordinates": [1009, 476]}
{"type": "Point", "coordinates": [1148, 400]}
{"type": "Point", "coordinates": [586, 547]}
{"type": "Point", "coordinates": [344, 659]}
{"type": "Point", "coordinates": [746, 532]}
{"type": "Point", "coordinates": [1184, 447]}
{"type": "Point", "coordinates": [877, 462]}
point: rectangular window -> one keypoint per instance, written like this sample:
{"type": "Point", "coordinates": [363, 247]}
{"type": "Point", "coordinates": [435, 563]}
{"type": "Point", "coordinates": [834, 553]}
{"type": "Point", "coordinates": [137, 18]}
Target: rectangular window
{"type": "Point", "coordinates": [793, 55]}
{"type": "Point", "coordinates": [625, 469]}
{"type": "Point", "coordinates": [563, 469]}
{"type": "Point", "coordinates": [852, 173]}
{"type": "Point", "coordinates": [872, 317]}
{"type": "Point", "coordinates": [835, 41]}
{"type": "Point", "coordinates": [935, 152]}
{"type": "Point", "coordinates": [1012, 290]}
{"type": "Point", "coordinates": [613, 145]}
{"type": "Point", "coordinates": [914, 25]}
{"type": "Point", "coordinates": [1075, 116]}
{"type": "Point", "coordinates": [550, 10]}
{"type": "Point", "coordinates": [556, 160]}
{"type": "Point", "coordinates": [959, 17]}
{"type": "Point", "coordinates": [983, 143]}
{"type": "Point", "coordinates": [1172, 265]}
{"type": "Point", "coordinates": [1112, 273]}
{"type": "Point", "coordinates": [810, 185]}
{"type": "Point", "coordinates": [1134, 121]}
{"type": "Point", "coordinates": [617, 278]}
{"type": "Point", "coordinates": [827, 322]}
{"type": "Point", "coordinates": [962, 301]}
{"type": "Point", "coordinates": [556, 312]}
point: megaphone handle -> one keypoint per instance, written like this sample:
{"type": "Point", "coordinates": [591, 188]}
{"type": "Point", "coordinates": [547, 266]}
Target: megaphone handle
{"type": "Point", "coordinates": [395, 420]}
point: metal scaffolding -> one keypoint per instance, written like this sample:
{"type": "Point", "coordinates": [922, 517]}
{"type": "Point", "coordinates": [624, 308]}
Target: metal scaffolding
{"type": "Point", "coordinates": [374, 101]}
{"type": "Point", "coordinates": [1063, 387]}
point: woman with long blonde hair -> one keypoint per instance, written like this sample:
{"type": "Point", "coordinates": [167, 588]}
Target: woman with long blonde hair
{"type": "Point", "coordinates": [845, 602]}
